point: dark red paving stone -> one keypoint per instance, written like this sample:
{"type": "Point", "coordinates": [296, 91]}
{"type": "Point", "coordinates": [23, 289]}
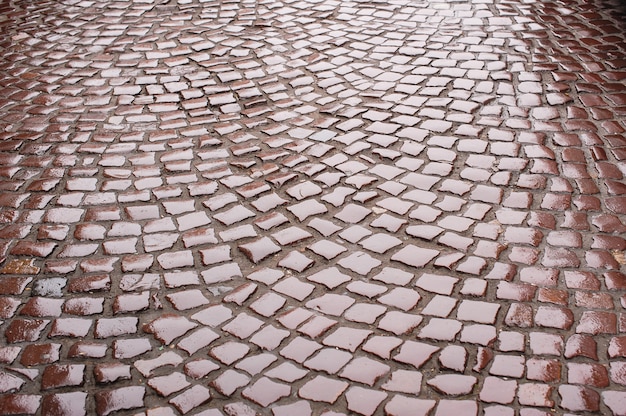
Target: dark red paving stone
{"type": "Point", "coordinates": [109, 401]}
{"type": "Point", "coordinates": [8, 307]}
{"type": "Point", "coordinates": [582, 345]}
{"type": "Point", "coordinates": [84, 306]}
{"type": "Point", "coordinates": [555, 296]}
{"type": "Point", "coordinates": [89, 283]}
{"type": "Point", "coordinates": [21, 330]}
{"type": "Point", "coordinates": [70, 404]}
{"type": "Point", "coordinates": [323, 389]}
{"type": "Point", "coordinates": [18, 404]}
{"type": "Point", "coordinates": [55, 376]}
{"type": "Point", "coordinates": [615, 280]}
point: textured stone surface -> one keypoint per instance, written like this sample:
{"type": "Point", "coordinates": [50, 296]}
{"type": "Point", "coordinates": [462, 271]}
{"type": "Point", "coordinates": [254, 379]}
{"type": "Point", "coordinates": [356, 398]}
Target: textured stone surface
{"type": "Point", "coordinates": [312, 207]}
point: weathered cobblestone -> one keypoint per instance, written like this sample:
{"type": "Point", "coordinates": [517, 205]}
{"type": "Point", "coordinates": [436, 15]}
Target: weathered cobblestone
{"type": "Point", "coordinates": [313, 207]}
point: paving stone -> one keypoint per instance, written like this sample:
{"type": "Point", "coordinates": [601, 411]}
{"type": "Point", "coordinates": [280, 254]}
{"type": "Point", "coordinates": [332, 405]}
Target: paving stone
{"type": "Point", "coordinates": [402, 170]}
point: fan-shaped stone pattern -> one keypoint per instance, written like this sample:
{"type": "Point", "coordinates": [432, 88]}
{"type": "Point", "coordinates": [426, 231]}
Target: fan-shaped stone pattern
{"type": "Point", "coordinates": [343, 186]}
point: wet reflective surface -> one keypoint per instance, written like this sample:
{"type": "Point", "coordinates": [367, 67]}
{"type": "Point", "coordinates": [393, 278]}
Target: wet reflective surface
{"type": "Point", "coordinates": [314, 207]}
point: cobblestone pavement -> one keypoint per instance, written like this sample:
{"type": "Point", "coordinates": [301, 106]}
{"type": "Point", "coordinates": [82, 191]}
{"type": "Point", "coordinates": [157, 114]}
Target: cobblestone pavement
{"type": "Point", "coordinates": [312, 207]}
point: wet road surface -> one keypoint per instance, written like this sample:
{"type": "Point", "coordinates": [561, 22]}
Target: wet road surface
{"type": "Point", "coordinates": [312, 207]}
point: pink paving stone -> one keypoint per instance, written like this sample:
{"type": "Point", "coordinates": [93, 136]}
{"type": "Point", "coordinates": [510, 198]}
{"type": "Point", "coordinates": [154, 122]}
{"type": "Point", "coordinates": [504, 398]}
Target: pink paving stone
{"type": "Point", "coordinates": [265, 391]}
{"type": "Point", "coordinates": [330, 277]}
{"type": "Point", "coordinates": [415, 353]}
{"type": "Point", "coordinates": [408, 406]}
{"type": "Point", "coordinates": [176, 259]}
{"type": "Point", "coordinates": [229, 381]}
{"type": "Point", "coordinates": [441, 329]}
{"type": "Point", "coordinates": [453, 357]}
{"type": "Point", "coordinates": [255, 364]}
{"type": "Point", "coordinates": [146, 367]}
{"type": "Point", "coordinates": [322, 389]}
{"type": "Point", "coordinates": [167, 327]}
{"type": "Point", "coordinates": [213, 315]}
{"type": "Point", "coordinates": [364, 401]}
{"type": "Point", "coordinates": [579, 399]}
{"type": "Point", "coordinates": [298, 408]}
{"type": "Point", "coordinates": [294, 288]}
{"type": "Point", "coordinates": [111, 372]}
{"type": "Point", "coordinates": [364, 370]}
{"type": "Point", "coordinates": [229, 352]}
{"type": "Point", "coordinates": [331, 304]}
{"type": "Point", "coordinates": [109, 401]}
{"type": "Point", "coordinates": [197, 340]}
{"type": "Point", "coordinates": [399, 323]}
{"type": "Point", "coordinates": [415, 256]}
{"type": "Point", "coordinates": [187, 299]}
{"type": "Point", "coordinates": [191, 399]}
{"type": "Point", "coordinates": [347, 338]}
{"type": "Point", "coordinates": [243, 326]}
{"type": "Point", "coordinates": [70, 404]}
{"type": "Point", "coordinates": [452, 384]}
{"type": "Point", "coordinates": [596, 322]}
{"type": "Point", "coordinates": [615, 401]}
{"type": "Point", "coordinates": [329, 360]}
{"type": "Point", "coordinates": [478, 334]}
{"type": "Point", "coordinates": [269, 337]}
{"type": "Point", "coordinates": [478, 311]}
{"type": "Point", "coordinates": [364, 312]}
{"type": "Point", "coordinates": [401, 298]}
{"type": "Point", "coordinates": [317, 326]}
{"type": "Point", "coordinates": [497, 390]}
{"type": "Point", "coordinates": [200, 368]}
{"type": "Point", "coordinates": [171, 383]}
{"type": "Point", "coordinates": [287, 372]}
{"type": "Point", "coordinates": [360, 263]}
{"type": "Point", "coordinates": [436, 283]}
{"type": "Point", "coordinates": [457, 407]}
